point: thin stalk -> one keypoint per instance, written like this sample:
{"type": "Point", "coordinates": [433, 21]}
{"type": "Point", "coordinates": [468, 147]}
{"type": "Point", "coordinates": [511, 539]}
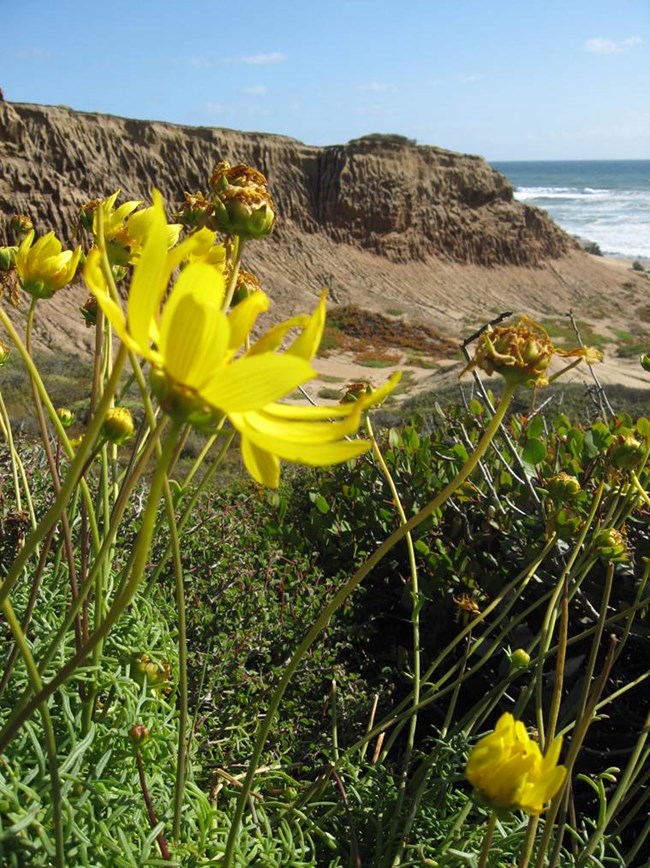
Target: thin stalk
{"type": "Point", "coordinates": [341, 596]}
{"type": "Point", "coordinates": [415, 627]}
{"type": "Point", "coordinates": [5, 421]}
{"type": "Point", "coordinates": [123, 599]}
{"type": "Point", "coordinates": [183, 687]}
{"type": "Point", "coordinates": [50, 740]}
{"type": "Point", "coordinates": [631, 770]}
{"type": "Point", "coordinates": [234, 271]}
{"type": "Point", "coordinates": [487, 840]}
{"type": "Point", "coordinates": [71, 481]}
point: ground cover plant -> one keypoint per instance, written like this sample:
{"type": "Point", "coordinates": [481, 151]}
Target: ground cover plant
{"type": "Point", "coordinates": [427, 644]}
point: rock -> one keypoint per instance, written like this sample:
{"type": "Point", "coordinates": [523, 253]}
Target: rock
{"type": "Point", "coordinates": [381, 220]}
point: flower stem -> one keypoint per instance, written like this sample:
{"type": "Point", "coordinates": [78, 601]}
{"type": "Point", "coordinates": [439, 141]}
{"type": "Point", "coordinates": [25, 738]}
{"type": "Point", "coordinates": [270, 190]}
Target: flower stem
{"type": "Point", "coordinates": [342, 595]}
{"type": "Point", "coordinates": [487, 841]}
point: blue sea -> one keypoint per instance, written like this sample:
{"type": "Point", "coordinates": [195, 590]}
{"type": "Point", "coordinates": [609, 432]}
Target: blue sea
{"type": "Point", "coordinates": [606, 201]}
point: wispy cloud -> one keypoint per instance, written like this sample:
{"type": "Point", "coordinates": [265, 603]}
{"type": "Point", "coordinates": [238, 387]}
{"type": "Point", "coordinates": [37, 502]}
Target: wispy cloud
{"type": "Point", "coordinates": [35, 52]}
{"type": "Point", "coordinates": [377, 87]}
{"type": "Point", "coordinates": [218, 109]}
{"type": "Point", "coordinates": [200, 62]}
{"type": "Point", "coordinates": [259, 59]}
{"type": "Point", "coordinates": [375, 109]}
{"type": "Point", "coordinates": [599, 45]}
{"type": "Point", "coordinates": [468, 78]}
{"type": "Point", "coordinates": [255, 89]}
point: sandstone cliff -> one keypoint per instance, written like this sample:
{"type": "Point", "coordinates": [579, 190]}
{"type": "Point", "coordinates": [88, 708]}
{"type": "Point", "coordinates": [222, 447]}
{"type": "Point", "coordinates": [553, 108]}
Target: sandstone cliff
{"type": "Point", "coordinates": [381, 221]}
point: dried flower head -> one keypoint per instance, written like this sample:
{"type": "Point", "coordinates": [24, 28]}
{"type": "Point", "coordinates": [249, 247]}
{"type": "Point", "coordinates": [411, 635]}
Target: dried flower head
{"type": "Point", "coordinates": [522, 352]}
{"type": "Point", "coordinates": [242, 202]}
{"type": "Point", "coordinates": [195, 211]}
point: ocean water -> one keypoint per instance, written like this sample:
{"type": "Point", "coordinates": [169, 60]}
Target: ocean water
{"type": "Point", "coordinates": [606, 201]}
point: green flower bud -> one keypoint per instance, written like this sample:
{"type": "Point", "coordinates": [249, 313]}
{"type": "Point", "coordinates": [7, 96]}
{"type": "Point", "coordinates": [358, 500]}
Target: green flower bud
{"type": "Point", "coordinates": [20, 226]}
{"type": "Point", "coordinates": [7, 258]}
{"type": "Point", "coordinates": [563, 486]}
{"type": "Point", "coordinates": [66, 416]}
{"type": "Point", "coordinates": [610, 544]}
{"type": "Point", "coordinates": [118, 425]}
{"type": "Point", "coordinates": [145, 670]}
{"type": "Point", "coordinates": [645, 362]}
{"type": "Point", "coordinates": [626, 452]}
{"type": "Point", "coordinates": [520, 659]}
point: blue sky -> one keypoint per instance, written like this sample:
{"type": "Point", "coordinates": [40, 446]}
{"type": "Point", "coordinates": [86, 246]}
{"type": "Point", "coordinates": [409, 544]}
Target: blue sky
{"type": "Point", "coordinates": [507, 79]}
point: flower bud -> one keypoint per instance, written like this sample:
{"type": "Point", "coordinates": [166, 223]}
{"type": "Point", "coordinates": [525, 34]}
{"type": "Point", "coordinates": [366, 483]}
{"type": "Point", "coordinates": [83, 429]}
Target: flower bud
{"type": "Point", "coordinates": [241, 200]}
{"type": "Point", "coordinates": [4, 353]}
{"type": "Point", "coordinates": [645, 362]}
{"type": "Point", "coordinates": [7, 258]}
{"type": "Point", "coordinates": [355, 391]}
{"type": "Point", "coordinates": [139, 733]}
{"type": "Point", "coordinates": [87, 214]}
{"type": "Point", "coordinates": [118, 425]}
{"type": "Point", "coordinates": [520, 659]}
{"type": "Point", "coordinates": [20, 225]}
{"type": "Point", "coordinates": [144, 669]}
{"type": "Point", "coordinates": [563, 486]}
{"type": "Point", "coordinates": [247, 284]}
{"type": "Point", "coordinates": [626, 452]}
{"type": "Point", "coordinates": [66, 416]}
{"type": "Point", "coordinates": [610, 544]}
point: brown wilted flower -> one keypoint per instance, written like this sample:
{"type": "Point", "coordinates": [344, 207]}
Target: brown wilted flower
{"type": "Point", "coordinates": [195, 211]}
{"type": "Point", "coordinates": [467, 605]}
{"type": "Point", "coordinates": [522, 352]}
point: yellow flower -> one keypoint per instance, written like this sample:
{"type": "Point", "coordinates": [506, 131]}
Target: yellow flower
{"type": "Point", "coordinates": [125, 229]}
{"type": "Point", "coordinates": [43, 267]}
{"type": "Point", "coordinates": [509, 771]}
{"type": "Point", "coordinates": [200, 372]}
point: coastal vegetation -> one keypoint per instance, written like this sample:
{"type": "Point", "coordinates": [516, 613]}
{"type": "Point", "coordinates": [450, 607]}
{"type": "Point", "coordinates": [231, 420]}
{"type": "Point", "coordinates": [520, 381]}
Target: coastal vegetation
{"type": "Point", "coordinates": [423, 642]}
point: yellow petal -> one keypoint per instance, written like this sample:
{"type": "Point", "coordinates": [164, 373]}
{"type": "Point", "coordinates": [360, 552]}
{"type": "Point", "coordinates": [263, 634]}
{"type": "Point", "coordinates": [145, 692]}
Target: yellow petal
{"type": "Point", "coordinates": [315, 454]}
{"type": "Point", "coordinates": [271, 341]}
{"type": "Point", "coordinates": [267, 424]}
{"type": "Point", "coordinates": [306, 344]}
{"type": "Point", "coordinates": [262, 465]}
{"type": "Point", "coordinates": [242, 317]}
{"type": "Point", "coordinates": [193, 331]}
{"type": "Point", "coordinates": [252, 382]}
{"type": "Point", "coordinates": [150, 277]}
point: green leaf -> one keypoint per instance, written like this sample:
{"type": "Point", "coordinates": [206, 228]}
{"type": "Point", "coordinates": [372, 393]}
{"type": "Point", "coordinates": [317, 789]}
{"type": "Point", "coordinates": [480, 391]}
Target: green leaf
{"type": "Point", "coordinates": [534, 451]}
{"type": "Point", "coordinates": [535, 427]}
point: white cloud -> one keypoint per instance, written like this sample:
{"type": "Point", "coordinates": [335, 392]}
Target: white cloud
{"type": "Point", "coordinates": [258, 59]}
{"type": "Point", "coordinates": [33, 53]}
{"type": "Point", "coordinates": [375, 109]}
{"type": "Point", "coordinates": [376, 87]}
{"type": "Point", "coordinates": [217, 109]}
{"type": "Point", "coordinates": [467, 79]}
{"type": "Point", "coordinates": [599, 45]}
{"type": "Point", "coordinates": [200, 62]}
{"type": "Point", "coordinates": [255, 89]}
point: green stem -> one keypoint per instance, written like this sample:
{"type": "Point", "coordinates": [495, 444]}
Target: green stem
{"type": "Point", "coordinates": [50, 740]}
{"type": "Point", "coordinates": [74, 473]}
{"type": "Point", "coordinates": [415, 626]}
{"type": "Point", "coordinates": [232, 283]}
{"type": "Point", "coordinates": [487, 841]}
{"type": "Point", "coordinates": [342, 595]}
{"type": "Point", "coordinates": [122, 600]}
